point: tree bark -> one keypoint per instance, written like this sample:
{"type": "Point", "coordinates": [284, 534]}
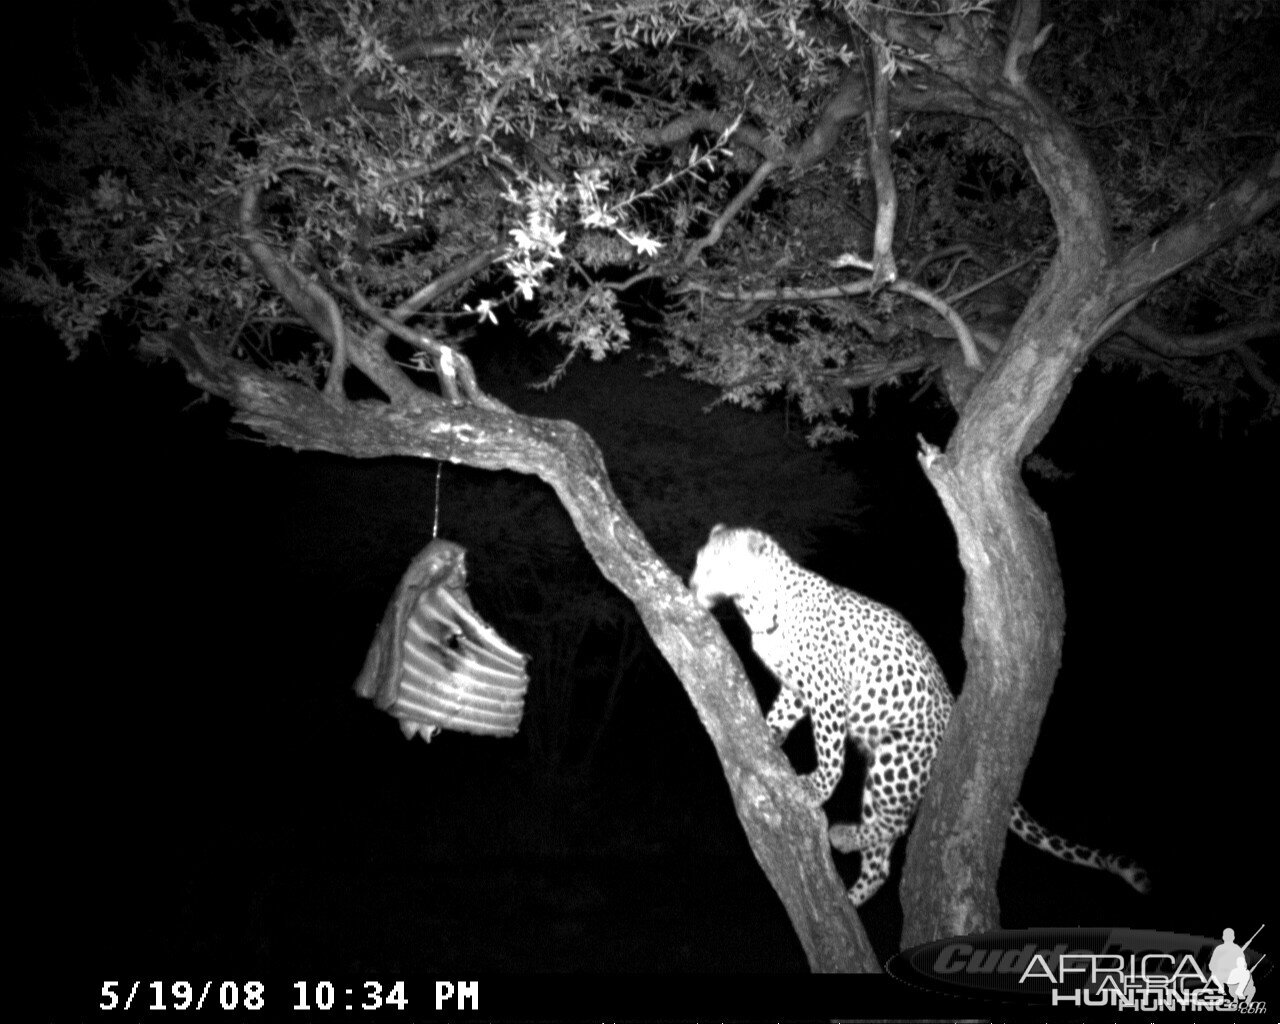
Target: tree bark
{"type": "Point", "coordinates": [787, 836]}
{"type": "Point", "coordinates": [1014, 610]}
{"type": "Point", "coordinates": [1015, 617]}
{"type": "Point", "coordinates": [1014, 605]}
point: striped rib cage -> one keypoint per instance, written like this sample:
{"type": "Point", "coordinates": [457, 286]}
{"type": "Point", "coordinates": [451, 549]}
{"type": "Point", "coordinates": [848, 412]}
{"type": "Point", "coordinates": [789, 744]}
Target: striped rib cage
{"type": "Point", "coordinates": [457, 672]}
{"type": "Point", "coordinates": [435, 664]}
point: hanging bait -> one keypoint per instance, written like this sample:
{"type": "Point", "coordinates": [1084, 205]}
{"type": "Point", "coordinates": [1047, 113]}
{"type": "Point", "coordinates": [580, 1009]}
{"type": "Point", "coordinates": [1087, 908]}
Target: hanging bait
{"type": "Point", "coordinates": [434, 663]}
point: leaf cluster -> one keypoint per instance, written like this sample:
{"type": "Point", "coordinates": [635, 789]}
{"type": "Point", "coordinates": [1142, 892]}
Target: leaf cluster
{"type": "Point", "coordinates": [599, 147]}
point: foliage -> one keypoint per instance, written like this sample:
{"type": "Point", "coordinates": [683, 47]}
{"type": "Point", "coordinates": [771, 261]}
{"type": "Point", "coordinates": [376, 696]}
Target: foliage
{"type": "Point", "coordinates": [598, 149]}
{"type": "Point", "coordinates": [1165, 135]}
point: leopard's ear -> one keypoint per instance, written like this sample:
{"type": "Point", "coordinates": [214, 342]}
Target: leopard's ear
{"type": "Point", "coordinates": [757, 542]}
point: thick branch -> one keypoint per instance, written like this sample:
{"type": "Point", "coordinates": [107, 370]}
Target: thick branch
{"type": "Point", "coordinates": [683, 127]}
{"type": "Point", "coordinates": [967, 79]}
{"type": "Point", "coordinates": [880, 69]}
{"type": "Point", "coordinates": [1195, 346]}
{"type": "Point", "coordinates": [843, 291]}
{"type": "Point", "coordinates": [866, 375]}
{"type": "Point", "coordinates": [963, 335]}
{"type": "Point", "coordinates": [317, 307]}
{"type": "Point", "coordinates": [1188, 374]}
{"type": "Point", "coordinates": [787, 835]}
{"type": "Point", "coordinates": [1025, 38]}
{"type": "Point", "coordinates": [846, 103]}
{"type": "Point", "coordinates": [452, 367]}
{"type": "Point", "coordinates": [438, 286]}
{"type": "Point", "coordinates": [320, 310]}
{"type": "Point", "coordinates": [1250, 198]}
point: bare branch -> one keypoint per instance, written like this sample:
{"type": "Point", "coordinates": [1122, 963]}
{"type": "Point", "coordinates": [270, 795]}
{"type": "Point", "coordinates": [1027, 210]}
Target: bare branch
{"type": "Point", "coordinates": [846, 103]}
{"type": "Point", "coordinates": [317, 307]}
{"type": "Point", "coordinates": [991, 279]}
{"type": "Point", "coordinates": [1185, 373]}
{"type": "Point", "coordinates": [785, 294]}
{"type": "Point", "coordinates": [963, 335]}
{"type": "Point", "coordinates": [862, 374]}
{"type": "Point", "coordinates": [959, 250]}
{"type": "Point", "coordinates": [1025, 38]}
{"type": "Point", "coordinates": [435, 49]}
{"type": "Point", "coordinates": [689, 123]}
{"type": "Point", "coordinates": [1250, 198]}
{"type": "Point", "coordinates": [732, 210]}
{"type": "Point", "coordinates": [437, 287]}
{"type": "Point", "coordinates": [451, 366]}
{"type": "Point", "coordinates": [434, 167]}
{"type": "Point", "coordinates": [1253, 367]}
{"type": "Point", "coordinates": [1191, 346]}
{"type": "Point", "coordinates": [967, 79]}
{"type": "Point", "coordinates": [864, 287]}
{"type": "Point", "coordinates": [870, 374]}
{"type": "Point", "coordinates": [879, 66]}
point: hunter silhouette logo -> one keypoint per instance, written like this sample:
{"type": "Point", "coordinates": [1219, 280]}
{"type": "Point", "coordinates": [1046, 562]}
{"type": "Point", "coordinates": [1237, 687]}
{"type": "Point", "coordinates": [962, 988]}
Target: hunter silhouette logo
{"type": "Point", "coordinates": [1117, 968]}
{"type": "Point", "coordinates": [1229, 968]}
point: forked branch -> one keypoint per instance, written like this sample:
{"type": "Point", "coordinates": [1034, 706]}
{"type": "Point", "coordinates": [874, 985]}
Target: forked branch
{"type": "Point", "coordinates": [453, 369]}
{"type": "Point", "coordinates": [318, 308]}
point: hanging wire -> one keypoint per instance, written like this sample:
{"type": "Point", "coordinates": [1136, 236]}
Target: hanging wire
{"type": "Point", "coordinates": [435, 519]}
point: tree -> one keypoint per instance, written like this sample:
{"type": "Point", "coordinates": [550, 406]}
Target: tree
{"type": "Point", "coordinates": [312, 209]}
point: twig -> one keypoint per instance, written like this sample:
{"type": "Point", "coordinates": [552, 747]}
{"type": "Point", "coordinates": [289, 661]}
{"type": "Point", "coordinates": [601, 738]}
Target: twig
{"type": "Point", "coordinates": [973, 289]}
{"type": "Point", "coordinates": [735, 206]}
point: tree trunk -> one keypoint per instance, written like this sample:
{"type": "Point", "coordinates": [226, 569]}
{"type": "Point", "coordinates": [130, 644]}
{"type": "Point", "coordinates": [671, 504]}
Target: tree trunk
{"type": "Point", "coordinates": [1014, 621]}
{"type": "Point", "coordinates": [1014, 610]}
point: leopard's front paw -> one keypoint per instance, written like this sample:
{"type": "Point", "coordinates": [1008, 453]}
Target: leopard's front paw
{"type": "Point", "coordinates": [844, 837]}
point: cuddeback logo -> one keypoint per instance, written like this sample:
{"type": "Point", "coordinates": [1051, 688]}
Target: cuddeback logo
{"type": "Point", "coordinates": [1119, 968]}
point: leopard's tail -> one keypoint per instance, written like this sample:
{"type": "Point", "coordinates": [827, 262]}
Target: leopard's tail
{"type": "Point", "coordinates": [1031, 831]}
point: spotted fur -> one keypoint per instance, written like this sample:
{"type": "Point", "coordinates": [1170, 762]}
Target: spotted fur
{"type": "Point", "coordinates": [859, 670]}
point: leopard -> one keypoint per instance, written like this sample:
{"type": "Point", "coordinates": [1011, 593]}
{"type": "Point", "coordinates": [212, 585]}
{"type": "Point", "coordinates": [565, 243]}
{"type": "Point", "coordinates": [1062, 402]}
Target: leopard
{"type": "Point", "coordinates": [861, 673]}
